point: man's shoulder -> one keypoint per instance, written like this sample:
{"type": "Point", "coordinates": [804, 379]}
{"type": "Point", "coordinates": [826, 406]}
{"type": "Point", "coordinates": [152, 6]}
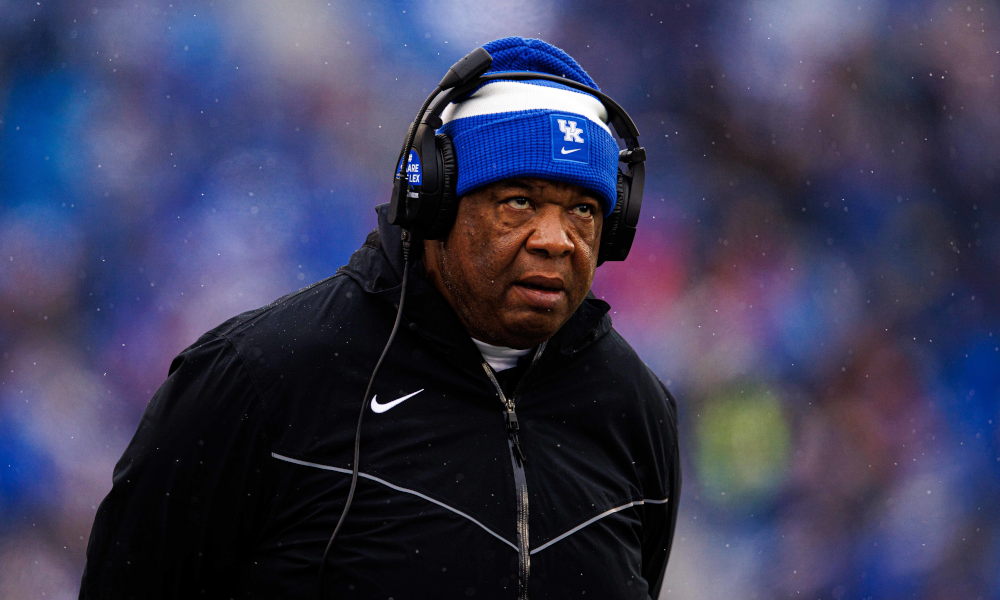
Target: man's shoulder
{"type": "Point", "coordinates": [300, 319]}
{"type": "Point", "coordinates": [617, 355]}
{"type": "Point", "coordinates": [617, 361]}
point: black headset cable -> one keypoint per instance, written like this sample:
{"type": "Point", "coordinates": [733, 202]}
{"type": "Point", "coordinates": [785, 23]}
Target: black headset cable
{"type": "Point", "coordinates": [407, 239]}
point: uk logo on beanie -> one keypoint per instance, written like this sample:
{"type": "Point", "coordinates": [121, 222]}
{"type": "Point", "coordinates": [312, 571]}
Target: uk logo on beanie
{"type": "Point", "coordinates": [507, 129]}
{"type": "Point", "coordinates": [570, 140]}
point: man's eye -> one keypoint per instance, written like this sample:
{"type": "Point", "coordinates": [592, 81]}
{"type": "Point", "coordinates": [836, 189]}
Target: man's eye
{"type": "Point", "coordinates": [521, 203]}
{"type": "Point", "coordinates": [584, 210]}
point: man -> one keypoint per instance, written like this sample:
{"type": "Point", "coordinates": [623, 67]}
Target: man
{"type": "Point", "coordinates": [241, 464]}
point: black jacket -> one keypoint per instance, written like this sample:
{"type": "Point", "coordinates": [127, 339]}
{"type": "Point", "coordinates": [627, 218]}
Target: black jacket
{"type": "Point", "coordinates": [240, 466]}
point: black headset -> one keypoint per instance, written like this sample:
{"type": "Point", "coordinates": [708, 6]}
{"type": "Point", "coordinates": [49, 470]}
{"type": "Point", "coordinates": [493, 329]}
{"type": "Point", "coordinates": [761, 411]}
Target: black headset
{"type": "Point", "coordinates": [428, 208]}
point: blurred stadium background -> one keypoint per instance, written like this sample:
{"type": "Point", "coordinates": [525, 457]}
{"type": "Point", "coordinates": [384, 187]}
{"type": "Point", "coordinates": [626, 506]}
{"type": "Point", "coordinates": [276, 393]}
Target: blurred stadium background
{"type": "Point", "coordinates": [815, 274]}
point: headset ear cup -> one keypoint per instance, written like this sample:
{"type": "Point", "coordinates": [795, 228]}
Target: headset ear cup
{"type": "Point", "coordinates": [609, 229]}
{"type": "Point", "coordinates": [445, 217]}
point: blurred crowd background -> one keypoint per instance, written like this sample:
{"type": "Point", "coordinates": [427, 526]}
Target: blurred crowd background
{"type": "Point", "coordinates": [815, 274]}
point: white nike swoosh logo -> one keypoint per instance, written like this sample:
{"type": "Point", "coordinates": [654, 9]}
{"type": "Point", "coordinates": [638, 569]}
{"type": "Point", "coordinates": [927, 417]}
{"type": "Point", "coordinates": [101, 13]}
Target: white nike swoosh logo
{"type": "Point", "coordinates": [381, 408]}
{"type": "Point", "coordinates": [565, 151]}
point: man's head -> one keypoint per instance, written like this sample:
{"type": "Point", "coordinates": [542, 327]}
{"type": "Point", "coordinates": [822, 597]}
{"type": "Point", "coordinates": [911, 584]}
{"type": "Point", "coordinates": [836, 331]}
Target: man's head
{"type": "Point", "coordinates": [537, 172]}
{"type": "Point", "coordinates": [519, 260]}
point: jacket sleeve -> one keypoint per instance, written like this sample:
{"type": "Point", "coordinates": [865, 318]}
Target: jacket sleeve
{"type": "Point", "coordinates": [187, 491]}
{"type": "Point", "coordinates": [660, 520]}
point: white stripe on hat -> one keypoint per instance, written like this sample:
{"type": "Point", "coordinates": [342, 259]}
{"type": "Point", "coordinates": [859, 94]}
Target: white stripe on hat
{"type": "Point", "coordinates": [512, 96]}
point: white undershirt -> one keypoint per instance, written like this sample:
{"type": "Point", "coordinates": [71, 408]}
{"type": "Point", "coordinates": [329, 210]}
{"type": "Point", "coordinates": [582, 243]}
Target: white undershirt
{"type": "Point", "coordinates": [499, 357]}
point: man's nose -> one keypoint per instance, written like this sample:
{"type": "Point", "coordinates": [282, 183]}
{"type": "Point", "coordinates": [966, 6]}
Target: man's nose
{"type": "Point", "coordinates": [549, 236]}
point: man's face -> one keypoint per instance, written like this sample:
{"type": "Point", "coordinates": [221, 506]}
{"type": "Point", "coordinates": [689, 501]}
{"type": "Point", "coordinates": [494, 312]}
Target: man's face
{"type": "Point", "coordinates": [519, 260]}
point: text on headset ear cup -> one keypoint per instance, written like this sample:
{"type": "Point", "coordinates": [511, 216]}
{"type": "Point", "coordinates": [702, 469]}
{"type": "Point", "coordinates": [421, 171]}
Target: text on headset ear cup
{"type": "Point", "coordinates": [448, 204]}
{"type": "Point", "coordinates": [609, 229]}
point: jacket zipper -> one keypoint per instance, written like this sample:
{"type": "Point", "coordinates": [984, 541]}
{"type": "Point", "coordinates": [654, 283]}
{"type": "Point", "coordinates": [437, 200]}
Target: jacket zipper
{"type": "Point", "coordinates": [517, 459]}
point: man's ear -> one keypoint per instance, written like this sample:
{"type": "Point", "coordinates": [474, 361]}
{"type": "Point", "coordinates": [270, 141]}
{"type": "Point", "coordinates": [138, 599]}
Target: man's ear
{"type": "Point", "coordinates": [443, 242]}
{"type": "Point", "coordinates": [431, 246]}
{"type": "Point", "coordinates": [432, 255]}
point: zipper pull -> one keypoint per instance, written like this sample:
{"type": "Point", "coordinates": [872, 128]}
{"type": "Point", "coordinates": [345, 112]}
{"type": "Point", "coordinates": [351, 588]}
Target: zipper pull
{"type": "Point", "coordinates": [520, 455]}
{"type": "Point", "coordinates": [512, 429]}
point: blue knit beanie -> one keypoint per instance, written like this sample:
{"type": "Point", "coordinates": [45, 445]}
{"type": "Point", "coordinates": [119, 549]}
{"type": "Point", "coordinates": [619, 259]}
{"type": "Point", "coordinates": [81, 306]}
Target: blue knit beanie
{"type": "Point", "coordinates": [509, 129]}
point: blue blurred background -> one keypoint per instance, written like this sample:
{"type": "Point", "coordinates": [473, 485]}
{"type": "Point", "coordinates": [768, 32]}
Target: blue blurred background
{"type": "Point", "coordinates": [815, 274]}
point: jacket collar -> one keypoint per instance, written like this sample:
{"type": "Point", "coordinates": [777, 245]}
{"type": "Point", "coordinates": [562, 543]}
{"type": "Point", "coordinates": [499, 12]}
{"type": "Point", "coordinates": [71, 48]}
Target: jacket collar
{"type": "Point", "coordinates": [378, 268]}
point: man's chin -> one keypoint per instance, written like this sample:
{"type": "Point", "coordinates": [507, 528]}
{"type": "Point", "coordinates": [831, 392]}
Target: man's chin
{"type": "Point", "coordinates": [529, 327]}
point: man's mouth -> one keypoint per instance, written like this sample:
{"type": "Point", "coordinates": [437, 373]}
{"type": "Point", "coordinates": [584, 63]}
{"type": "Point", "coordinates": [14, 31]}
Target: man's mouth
{"type": "Point", "coordinates": [541, 292]}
